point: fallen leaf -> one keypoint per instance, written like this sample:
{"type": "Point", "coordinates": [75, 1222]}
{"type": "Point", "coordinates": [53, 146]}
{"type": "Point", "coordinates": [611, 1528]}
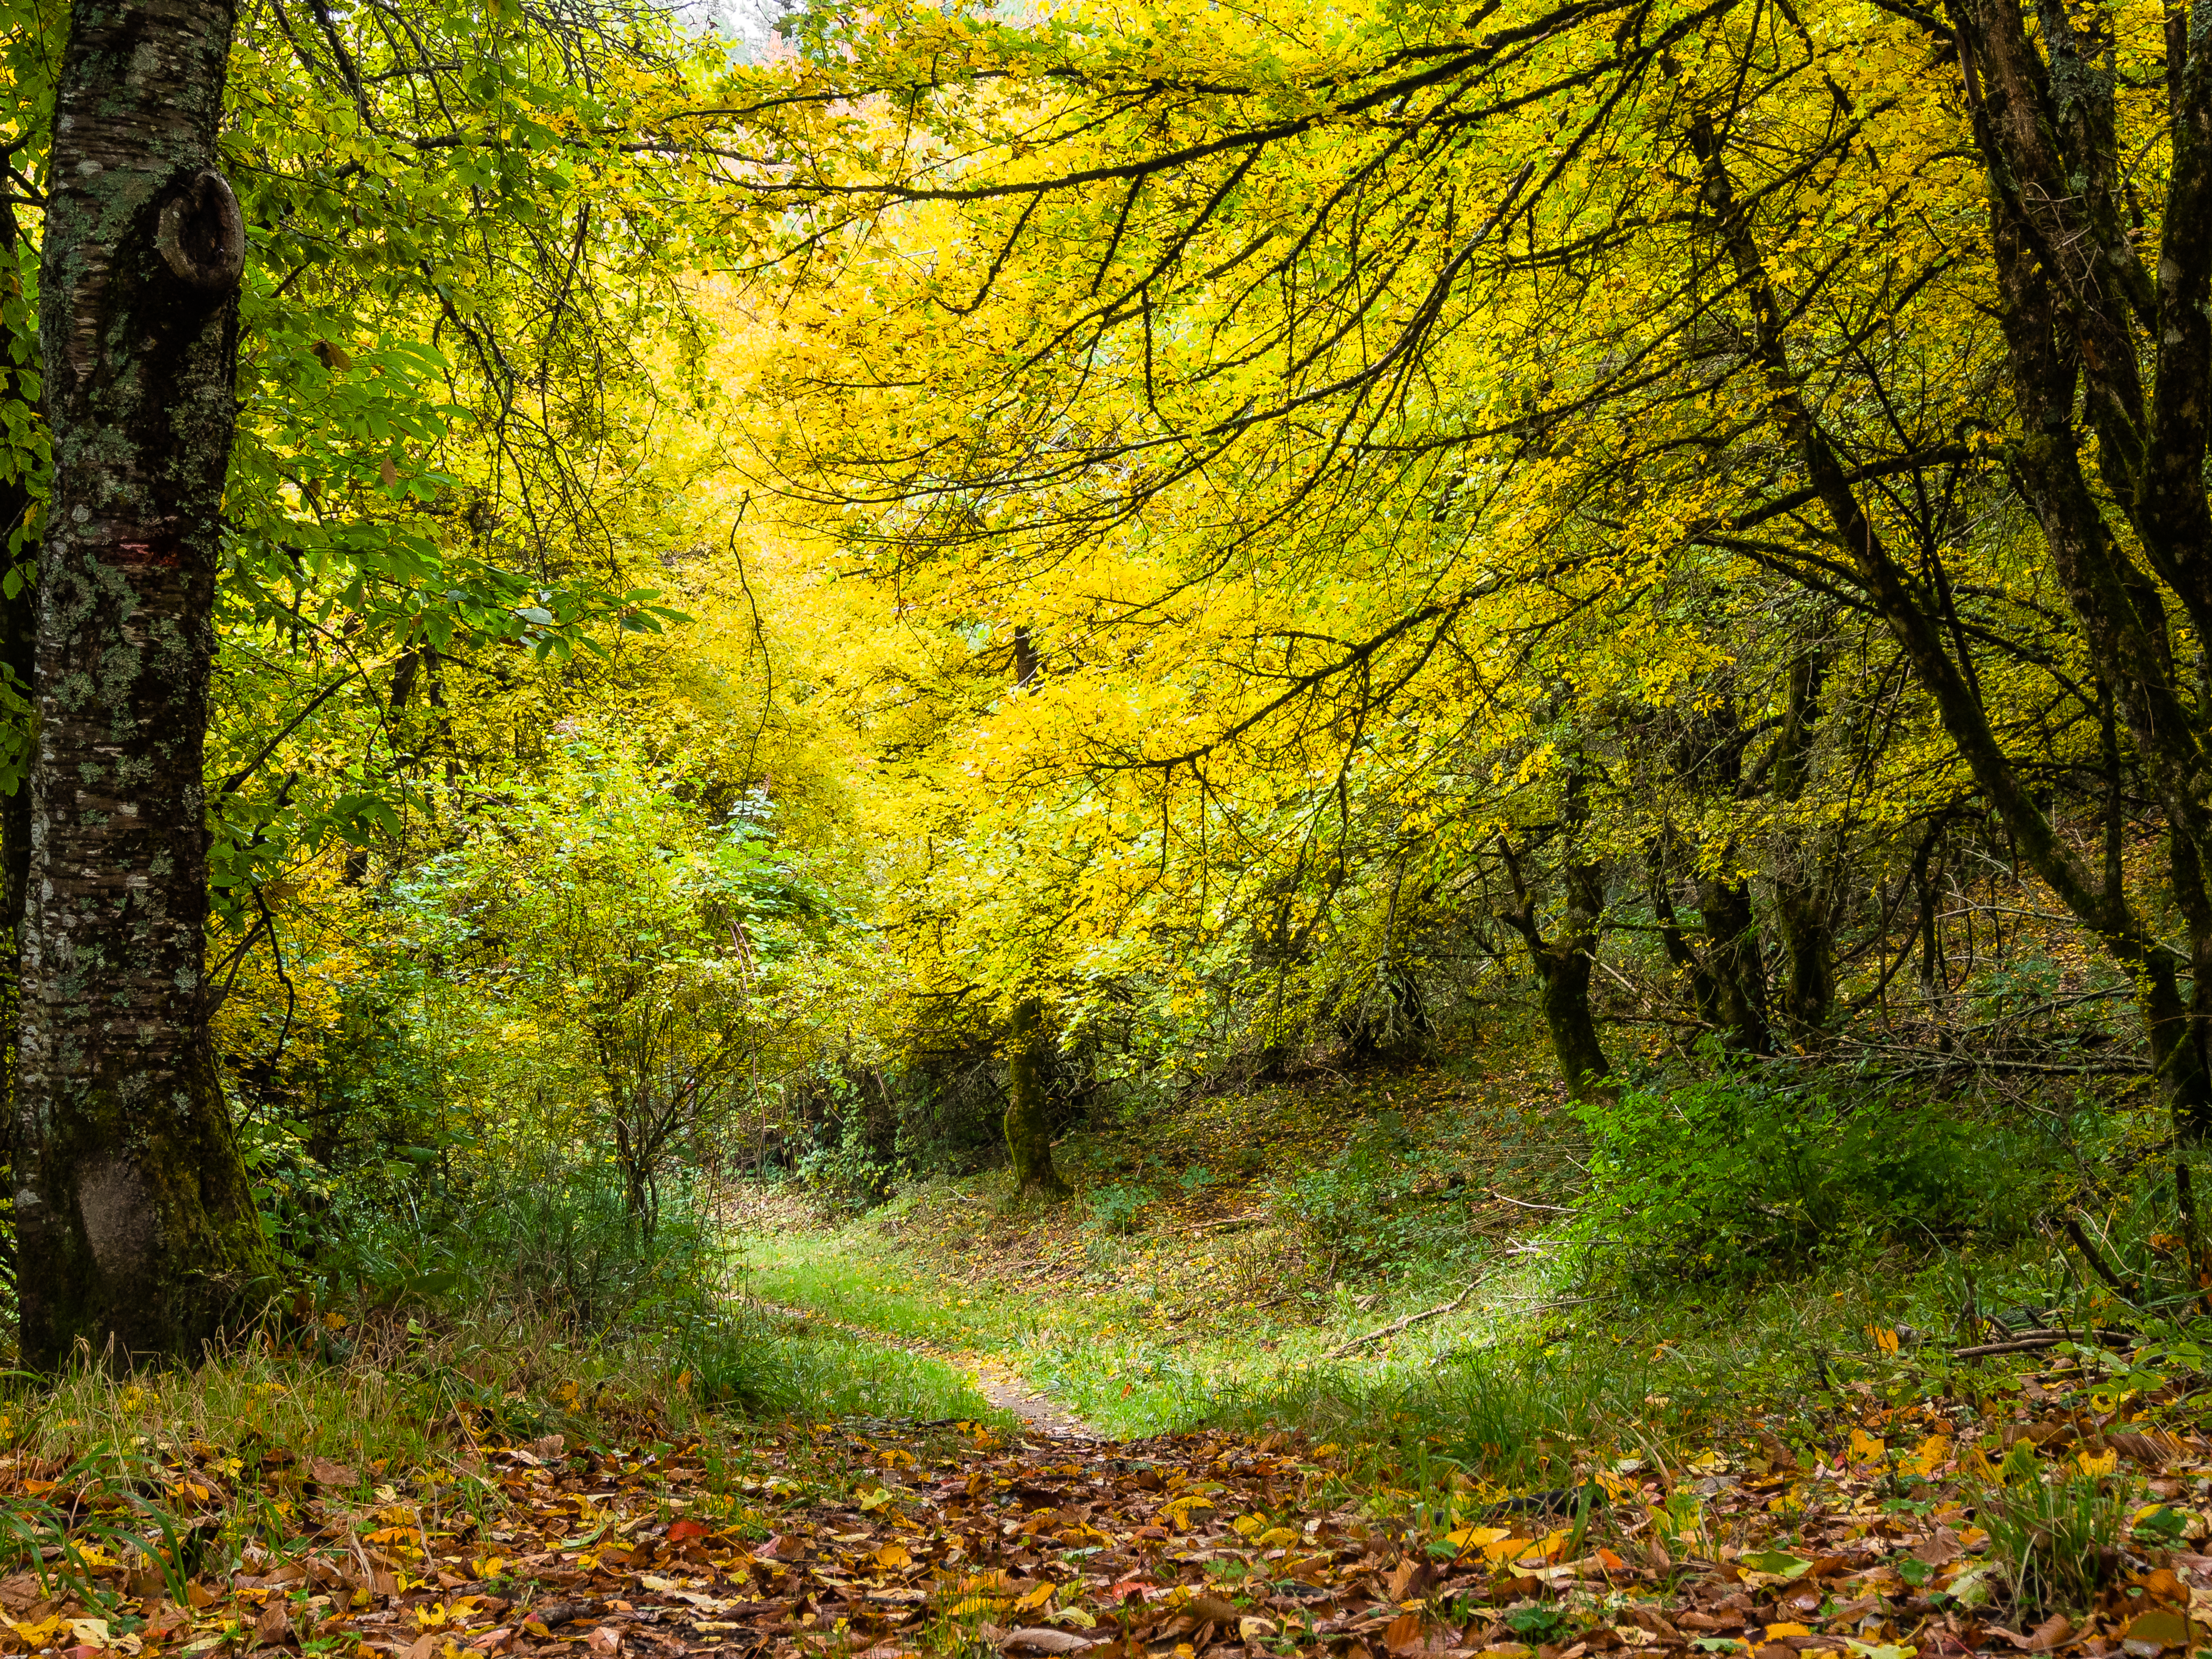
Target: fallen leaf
{"type": "Point", "coordinates": [1041, 1639]}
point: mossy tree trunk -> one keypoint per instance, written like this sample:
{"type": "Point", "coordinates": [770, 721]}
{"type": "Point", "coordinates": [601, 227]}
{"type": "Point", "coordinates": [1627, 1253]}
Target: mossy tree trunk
{"type": "Point", "coordinates": [1029, 1129]}
{"type": "Point", "coordinates": [1562, 962]}
{"type": "Point", "coordinates": [19, 646]}
{"type": "Point", "coordinates": [135, 1218]}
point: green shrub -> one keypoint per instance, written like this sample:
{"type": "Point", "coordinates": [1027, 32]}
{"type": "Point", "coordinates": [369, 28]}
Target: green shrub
{"type": "Point", "coordinates": [763, 1364]}
{"type": "Point", "coordinates": [560, 1249]}
{"type": "Point", "coordinates": [1734, 1175]}
{"type": "Point", "coordinates": [1365, 1204]}
{"type": "Point", "coordinates": [1114, 1209]}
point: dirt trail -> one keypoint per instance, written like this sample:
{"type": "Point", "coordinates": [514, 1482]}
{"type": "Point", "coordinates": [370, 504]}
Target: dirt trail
{"type": "Point", "coordinates": [997, 1382]}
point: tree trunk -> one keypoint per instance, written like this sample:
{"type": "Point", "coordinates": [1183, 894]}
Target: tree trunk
{"type": "Point", "coordinates": [1804, 909]}
{"type": "Point", "coordinates": [19, 640]}
{"type": "Point", "coordinates": [1562, 969]}
{"type": "Point", "coordinates": [135, 1216]}
{"type": "Point", "coordinates": [1029, 1130]}
{"type": "Point", "coordinates": [1734, 961]}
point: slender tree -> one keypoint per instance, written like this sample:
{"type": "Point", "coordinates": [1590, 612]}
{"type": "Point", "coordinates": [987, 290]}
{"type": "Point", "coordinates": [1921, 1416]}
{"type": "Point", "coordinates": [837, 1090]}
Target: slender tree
{"type": "Point", "coordinates": [135, 1218]}
{"type": "Point", "coordinates": [1029, 1130]}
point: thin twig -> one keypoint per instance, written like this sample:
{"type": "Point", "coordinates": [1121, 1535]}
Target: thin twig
{"type": "Point", "coordinates": [1523, 1203]}
{"type": "Point", "coordinates": [1395, 1326]}
{"type": "Point", "coordinates": [2019, 1345]}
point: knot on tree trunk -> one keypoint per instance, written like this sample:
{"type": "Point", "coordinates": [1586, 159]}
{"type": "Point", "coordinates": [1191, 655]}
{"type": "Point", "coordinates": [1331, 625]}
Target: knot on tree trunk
{"type": "Point", "coordinates": [201, 235]}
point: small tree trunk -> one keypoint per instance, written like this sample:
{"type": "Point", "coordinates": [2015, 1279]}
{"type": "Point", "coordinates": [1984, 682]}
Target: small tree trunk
{"type": "Point", "coordinates": [1029, 1130]}
{"type": "Point", "coordinates": [135, 1218]}
{"type": "Point", "coordinates": [1562, 968]}
{"type": "Point", "coordinates": [1802, 907]}
{"type": "Point", "coordinates": [1563, 977]}
{"type": "Point", "coordinates": [1802, 910]}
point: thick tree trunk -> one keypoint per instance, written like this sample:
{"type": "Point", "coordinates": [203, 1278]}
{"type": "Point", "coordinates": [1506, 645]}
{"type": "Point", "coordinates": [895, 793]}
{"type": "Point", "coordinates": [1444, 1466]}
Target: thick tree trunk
{"type": "Point", "coordinates": [135, 1218]}
{"type": "Point", "coordinates": [1734, 961]}
{"type": "Point", "coordinates": [1029, 1130]}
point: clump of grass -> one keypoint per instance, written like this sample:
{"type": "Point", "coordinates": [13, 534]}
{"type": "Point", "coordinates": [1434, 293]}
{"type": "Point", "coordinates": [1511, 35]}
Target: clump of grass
{"type": "Point", "coordinates": [768, 1364]}
{"type": "Point", "coordinates": [1504, 1416]}
{"type": "Point", "coordinates": [2057, 1540]}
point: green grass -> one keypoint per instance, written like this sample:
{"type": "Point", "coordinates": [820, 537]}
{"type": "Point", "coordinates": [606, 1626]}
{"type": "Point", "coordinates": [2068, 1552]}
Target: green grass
{"type": "Point", "coordinates": [1564, 1352]}
{"type": "Point", "coordinates": [767, 1365]}
{"type": "Point", "coordinates": [1544, 1366]}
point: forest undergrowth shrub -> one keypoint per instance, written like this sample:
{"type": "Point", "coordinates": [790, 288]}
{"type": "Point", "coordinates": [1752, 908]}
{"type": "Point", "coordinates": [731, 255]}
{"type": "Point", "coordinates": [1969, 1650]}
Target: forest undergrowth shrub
{"type": "Point", "coordinates": [739, 1357]}
{"type": "Point", "coordinates": [1369, 1204]}
{"type": "Point", "coordinates": [1116, 1210]}
{"type": "Point", "coordinates": [1739, 1174]}
{"type": "Point", "coordinates": [554, 1247]}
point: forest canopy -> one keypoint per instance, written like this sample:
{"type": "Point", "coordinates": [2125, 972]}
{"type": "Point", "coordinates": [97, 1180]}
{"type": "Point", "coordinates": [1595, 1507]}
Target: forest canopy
{"type": "Point", "coordinates": [841, 598]}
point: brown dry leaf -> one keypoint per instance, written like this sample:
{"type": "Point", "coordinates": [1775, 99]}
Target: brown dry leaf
{"type": "Point", "coordinates": [19, 1591]}
{"type": "Point", "coordinates": [606, 1641]}
{"type": "Point", "coordinates": [275, 1624]}
{"type": "Point", "coordinates": [1940, 1548]}
{"type": "Point", "coordinates": [328, 1473]}
{"type": "Point", "coordinates": [1039, 1638]}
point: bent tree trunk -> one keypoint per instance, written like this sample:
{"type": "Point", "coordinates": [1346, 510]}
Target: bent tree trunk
{"type": "Point", "coordinates": [1029, 1130]}
{"type": "Point", "coordinates": [135, 1218]}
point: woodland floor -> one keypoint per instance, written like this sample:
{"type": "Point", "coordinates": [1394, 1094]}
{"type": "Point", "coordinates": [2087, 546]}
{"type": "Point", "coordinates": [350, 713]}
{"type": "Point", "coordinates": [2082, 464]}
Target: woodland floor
{"type": "Point", "coordinates": [1110, 1478]}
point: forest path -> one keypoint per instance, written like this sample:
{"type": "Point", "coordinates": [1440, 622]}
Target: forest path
{"type": "Point", "coordinates": [996, 1380]}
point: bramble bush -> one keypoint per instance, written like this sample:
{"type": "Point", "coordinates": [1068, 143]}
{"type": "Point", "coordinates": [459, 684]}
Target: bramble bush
{"type": "Point", "coordinates": [1736, 1173]}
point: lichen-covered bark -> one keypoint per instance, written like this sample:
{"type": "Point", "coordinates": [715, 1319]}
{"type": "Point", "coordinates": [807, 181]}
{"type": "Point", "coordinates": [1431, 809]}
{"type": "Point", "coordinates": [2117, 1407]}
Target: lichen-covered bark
{"type": "Point", "coordinates": [19, 645]}
{"type": "Point", "coordinates": [134, 1216]}
{"type": "Point", "coordinates": [1029, 1130]}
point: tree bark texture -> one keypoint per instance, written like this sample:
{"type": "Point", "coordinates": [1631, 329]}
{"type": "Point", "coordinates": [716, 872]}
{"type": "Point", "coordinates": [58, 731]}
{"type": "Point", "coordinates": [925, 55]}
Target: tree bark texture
{"type": "Point", "coordinates": [1028, 1130]}
{"type": "Point", "coordinates": [1561, 964]}
{"type": "Point", "coordinates": [134, 1213]}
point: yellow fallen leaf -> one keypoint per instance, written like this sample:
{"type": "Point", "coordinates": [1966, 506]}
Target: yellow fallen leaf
{"type": "Point", "coordinates": [2093, 1464]}
{"type": "Point", "coordinates": [1928, 1457]}
{"type": "Point", "coordinates": [1476, 1537]}
{"type": "Point", "coordinates": [1776, 1633]}
{"type": "Point", "coordinates": [1036, 1598]}
{"type": "Point", "coordinates": [1276, 1538]}
{"type": "Point", "coordinates": [893, 1555]}
{"type": "Point", "coordinates": [1884, 1339]}
{"type": "Point", "coordinates": [1865, 1448]}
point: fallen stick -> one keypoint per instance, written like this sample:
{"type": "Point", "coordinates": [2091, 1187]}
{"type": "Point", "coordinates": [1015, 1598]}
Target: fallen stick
{"type": "Point", "coordinates": [2026, 1341]}
{"type": "Point", "coordinates": [1557, 1209]}
{"type": "Point", "coordinates": [1398, 1325]}
{"type": "Point", "coordinates": [1226, 1221]}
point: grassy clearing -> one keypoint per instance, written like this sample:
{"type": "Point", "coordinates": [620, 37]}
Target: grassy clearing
{"type": "Point", "coordinates": [1152, 1302]}
{"type": "Point", "coordinates": [407, 1397]}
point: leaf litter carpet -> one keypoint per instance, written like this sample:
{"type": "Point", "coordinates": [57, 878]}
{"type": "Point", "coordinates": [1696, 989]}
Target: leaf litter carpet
{"type": "Point", "coordinates": [883, 1539]}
